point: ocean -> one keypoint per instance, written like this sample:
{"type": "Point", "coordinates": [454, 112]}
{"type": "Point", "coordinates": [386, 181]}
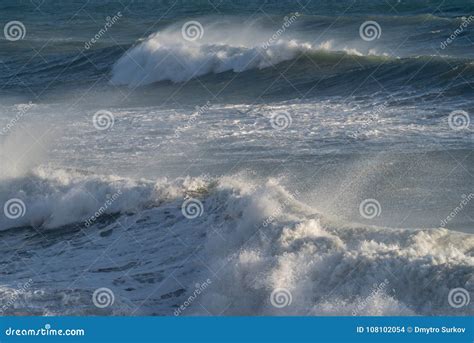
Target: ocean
{"type": "Point", "coordinates": [237, 157]}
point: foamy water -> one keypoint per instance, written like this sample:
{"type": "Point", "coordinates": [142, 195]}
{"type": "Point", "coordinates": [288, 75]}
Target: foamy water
{"type": "Point", "coordinates": [248, 239]}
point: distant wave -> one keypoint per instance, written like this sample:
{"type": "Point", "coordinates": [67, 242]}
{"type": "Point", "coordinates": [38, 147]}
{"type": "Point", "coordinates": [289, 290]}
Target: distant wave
{"type": "Point", "coordinates": [167, 56]}
{"type": "Point", "coordinates": [227, 46]}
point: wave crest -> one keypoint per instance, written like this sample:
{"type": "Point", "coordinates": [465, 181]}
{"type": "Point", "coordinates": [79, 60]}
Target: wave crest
{"type": "Point", "coordinates": [167, 56]}
{"type": "Point", "coordinates": [261, 238]}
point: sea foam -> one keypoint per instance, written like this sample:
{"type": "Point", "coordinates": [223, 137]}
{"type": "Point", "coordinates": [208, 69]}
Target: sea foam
{"type": "Point", "coordinates": [258, 242]}
{"type": "Point", "coordinates": [166, 55]}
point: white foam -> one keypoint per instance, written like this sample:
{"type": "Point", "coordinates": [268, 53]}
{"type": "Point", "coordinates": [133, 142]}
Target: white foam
{"type": "Point", "coordinates": [165, 55]}
{"type": "Point", "coordinates": [157, 59]}
{"type": "Point", "coordinates": [329, 270]}
{"type": "Point", "coordinates": [257, 237]}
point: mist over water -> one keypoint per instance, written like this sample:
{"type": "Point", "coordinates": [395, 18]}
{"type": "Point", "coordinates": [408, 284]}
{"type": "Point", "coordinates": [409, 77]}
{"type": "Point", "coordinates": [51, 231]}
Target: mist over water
{"type": "Point", "coordinates": [335, 168]}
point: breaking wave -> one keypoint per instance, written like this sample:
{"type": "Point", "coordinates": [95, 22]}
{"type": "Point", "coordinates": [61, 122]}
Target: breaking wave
{"type": "Point", "coordinates": [250, 240]}
{"type": "Point", "coordinates": [167, 55]}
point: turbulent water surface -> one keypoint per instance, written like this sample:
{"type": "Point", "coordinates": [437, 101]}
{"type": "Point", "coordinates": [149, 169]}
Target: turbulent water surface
{"type": "Point", "coordinates": [280, 160]}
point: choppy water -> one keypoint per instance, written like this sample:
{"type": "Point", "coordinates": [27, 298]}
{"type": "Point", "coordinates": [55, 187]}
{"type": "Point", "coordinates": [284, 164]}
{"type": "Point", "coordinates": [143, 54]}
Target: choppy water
{"type": "Point", "coordinates": [278, 136]}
